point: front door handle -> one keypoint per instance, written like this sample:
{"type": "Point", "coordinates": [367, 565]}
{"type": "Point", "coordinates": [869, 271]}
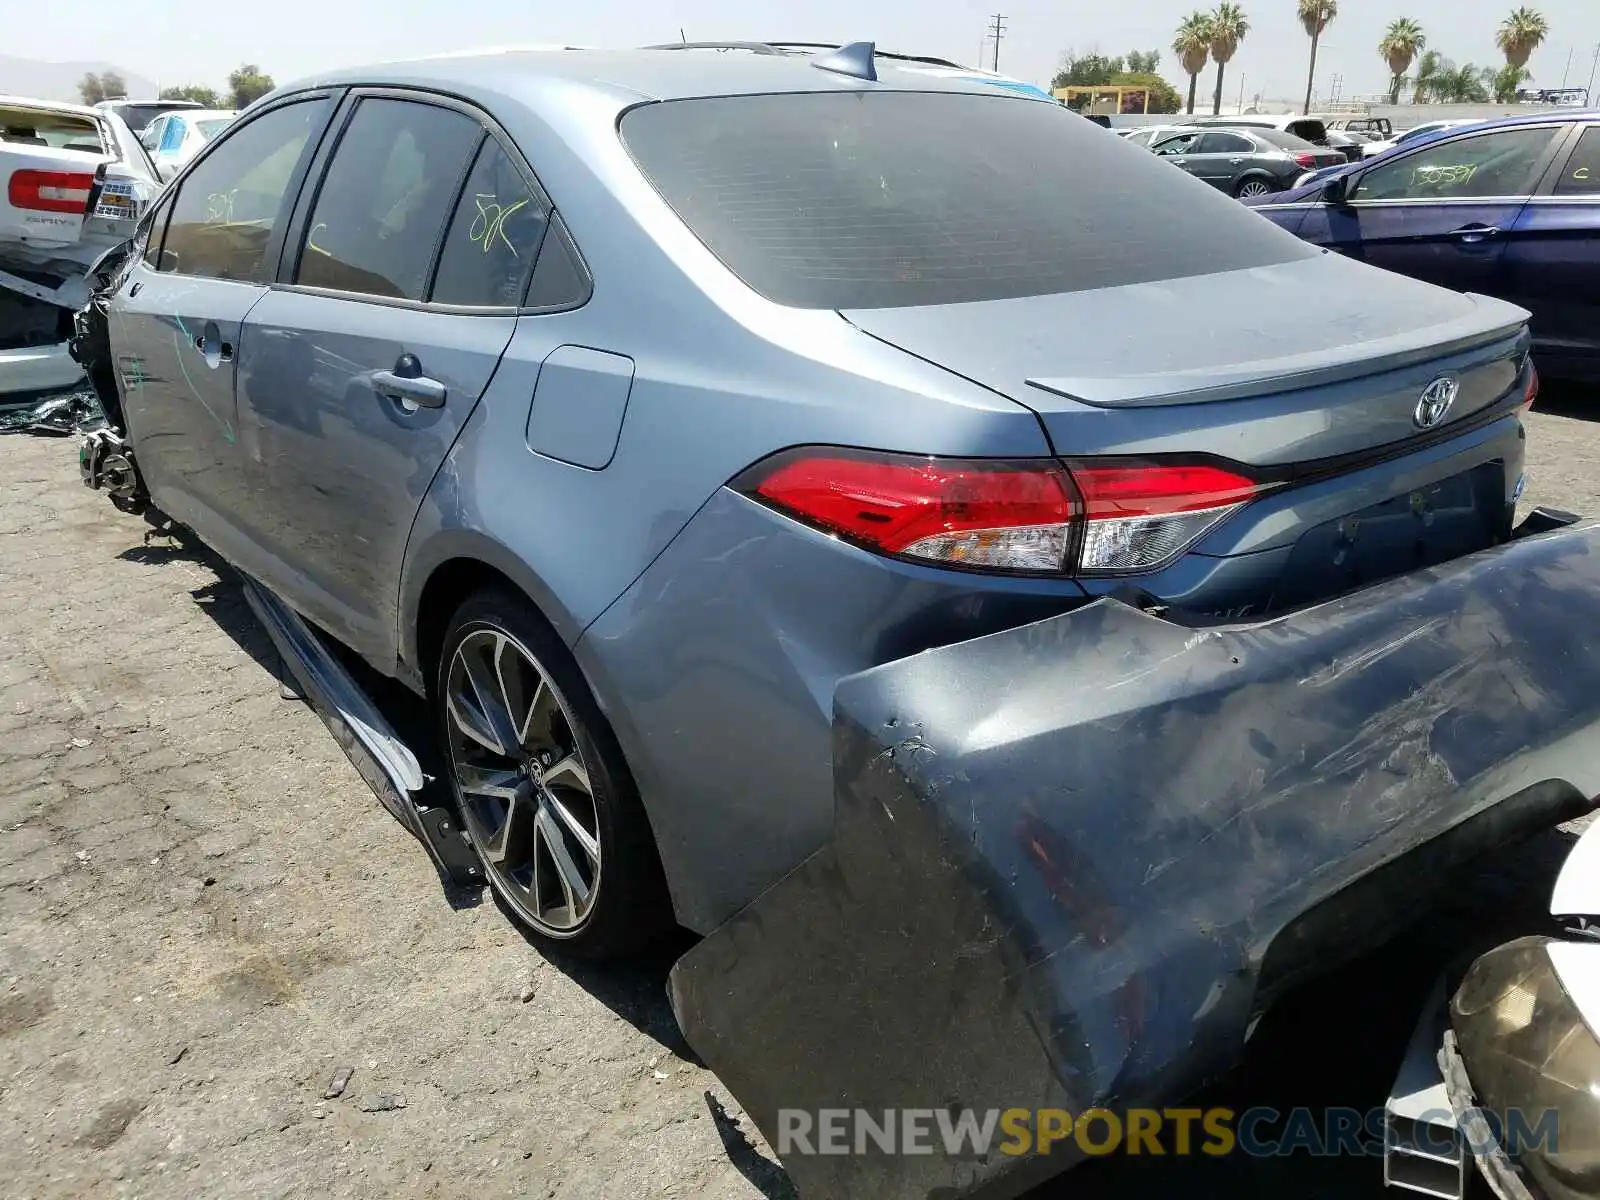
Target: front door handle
{"type": "Point", "coordinates": [212, 348]}
{"type": "Point", "coordinates": [1473, 234]}
{"type": "Point", "coordinates": [407, 384]}
{"type": "Point", "coordinates": [1235, 161]}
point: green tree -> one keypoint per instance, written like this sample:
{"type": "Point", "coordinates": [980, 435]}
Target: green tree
{"type": "Point", "coordinates": [1192, 45]}
{"type": "Point", "coordinates": [1401, 44]}
{"type": "Point", "coordinates": [1164, 97]}
{"type": "Point", "coordinates": [197, 92]}
{"type": "Point", "coordinates": [1229, 26]}
{"type": "Point", "coordinates": [1315, 16]}
{"type": "Point", "coordinates": [1148, 63]}
{"type": "Point", "coordinates": [1520, 34]}
{"type": "Point", "coordinates": [248, 83]}
{"type": "Point", "coordinates": [1440, 81]}
{"type": "Point", "coordinates": [107, 85]}
{"type": "Point", "coordinates": [1087, 70]}
{"type": "Point", "coordinates": [1507, 80]}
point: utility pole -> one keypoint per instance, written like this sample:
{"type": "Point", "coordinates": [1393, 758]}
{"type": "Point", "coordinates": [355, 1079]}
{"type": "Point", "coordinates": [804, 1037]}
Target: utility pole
{"type": "Point", "coordinates": [1588, 97]}
{"type": "Point", "coordinates": [1568, 71]}
{"type": "Point", "coordinates": [1241, 95]}
{"type": "Point", "coordinates": [997, 30]}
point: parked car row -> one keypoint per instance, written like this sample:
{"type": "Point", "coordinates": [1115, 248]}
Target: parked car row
{"type": "Point", "coordinates": [75, 181]}
{"type": "Point", "coordinates": [1509, 208]}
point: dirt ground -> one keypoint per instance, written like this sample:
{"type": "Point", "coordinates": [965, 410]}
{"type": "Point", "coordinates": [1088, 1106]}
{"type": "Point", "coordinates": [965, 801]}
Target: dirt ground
{"type": "Point", "coordinates": [205, 914]}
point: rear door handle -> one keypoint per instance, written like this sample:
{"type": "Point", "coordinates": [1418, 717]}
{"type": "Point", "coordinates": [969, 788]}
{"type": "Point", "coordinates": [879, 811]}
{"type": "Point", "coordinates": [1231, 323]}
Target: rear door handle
{"type": "Point", "coordinates": [1235, 161]}
{"type": "Point", "coordinates": [1475, 233]}
{"type": "Point", "coordinates": [416, 390]}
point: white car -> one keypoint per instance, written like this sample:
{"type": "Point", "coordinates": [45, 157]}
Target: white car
{"type": "Point", "coordinates": [174, 138]}
{"type": "Point", "coordinates": [76, 180]}
{"type": "Point", "coordinates": [1373, 149]}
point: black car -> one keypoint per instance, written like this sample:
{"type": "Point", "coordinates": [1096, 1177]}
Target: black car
{"type": "Point", "coordinates": [1347, 144]}
{"type": "Point", "coordinates": [1244, 162]}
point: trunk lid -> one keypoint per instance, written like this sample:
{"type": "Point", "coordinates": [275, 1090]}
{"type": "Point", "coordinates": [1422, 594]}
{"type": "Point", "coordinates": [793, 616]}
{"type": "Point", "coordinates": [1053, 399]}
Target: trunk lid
{"type": "Point", "coordinates": [1308, 360]}
{"type": "Point", "coordinates": [43, 194]}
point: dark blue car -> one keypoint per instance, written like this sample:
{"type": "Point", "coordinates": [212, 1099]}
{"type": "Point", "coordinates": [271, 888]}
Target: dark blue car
{"type": "Point", "coordinates": [1507, 208]}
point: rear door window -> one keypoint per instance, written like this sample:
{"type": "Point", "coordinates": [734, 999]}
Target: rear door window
{"type": "Point", "coordinates": [389, 190]}
{"type": "Point", "coordinates": [1581, 175]}
{"type": "Point", "coordinates": [231, 202]}
{"type": "Point", "coordinates": [494, 236]}
{"type": "Point", "coordinates": [1497, 163]}
{"type": "Point", "coordinates": [1225, 143]}
{"type": "Point", "coordinates": [1179, 143]}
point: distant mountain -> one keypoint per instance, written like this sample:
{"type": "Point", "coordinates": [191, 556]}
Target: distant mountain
{"type": "Point", "coordinates": [59, 80]}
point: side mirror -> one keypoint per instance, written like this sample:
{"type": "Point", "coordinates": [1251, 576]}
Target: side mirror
{"type": "Point", "coordinates": [1337, 191]}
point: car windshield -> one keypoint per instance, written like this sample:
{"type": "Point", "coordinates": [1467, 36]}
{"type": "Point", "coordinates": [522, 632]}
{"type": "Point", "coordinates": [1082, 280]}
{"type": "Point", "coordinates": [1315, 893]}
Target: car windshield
{"type": "Point", "coordinates": [861, 200]}
{"type": "Point", "coordinates": [50, 127]}
{"type": "Point", "coordinates": [210, 129]}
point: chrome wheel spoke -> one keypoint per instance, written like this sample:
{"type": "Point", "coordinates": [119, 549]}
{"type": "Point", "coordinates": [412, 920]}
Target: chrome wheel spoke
{"type": "Point", "coordinates": [467, 717]}
{"type": "Point", "coordinates": [488, 781]}
{"type": "Point", "coordinates": [484, 680]}
{"type": "Point", "coordinates": [557, 808]}
{"type": "Point", "coordinates": [568, 772]}
{"type": "Point", "coordinates": [574, 888]}
{"type": "Point", "coordinates": [511, 847]}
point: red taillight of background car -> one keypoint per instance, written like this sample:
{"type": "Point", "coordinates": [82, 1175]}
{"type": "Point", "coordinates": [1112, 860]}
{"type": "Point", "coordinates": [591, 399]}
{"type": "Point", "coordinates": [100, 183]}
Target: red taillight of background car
{"type": "Point", "coordinates": [50, 191]}
{"type": "Point", "coordinates": [1308, 161]}
{"type": "Point", "coordinates": [1111, 516]}
{"type": "Point", "coordinates": [1532, 393]}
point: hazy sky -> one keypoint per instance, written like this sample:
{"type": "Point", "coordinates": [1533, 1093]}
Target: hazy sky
{"type": "Point", "coordinates": [179, 41]}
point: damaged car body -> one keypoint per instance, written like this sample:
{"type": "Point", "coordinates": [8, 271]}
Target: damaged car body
{"type": "Point", "coordinates": [75, 183]}
{"type": "Point", "coordinates": [788, 561]}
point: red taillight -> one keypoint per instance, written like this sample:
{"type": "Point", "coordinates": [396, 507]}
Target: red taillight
{"type": "Point", "coordinates": [1141, 514]}
{"type": "Point", "coordinates": [976, 513]}
{"type": "Point", "coordinates": [1532, 393]}
{"type": "Point", "coordinates": [1094, 515]}
{"type": "Point", "coordinates": [1308, 161]}
{"type": "Point", "coordinates": [50, 191]}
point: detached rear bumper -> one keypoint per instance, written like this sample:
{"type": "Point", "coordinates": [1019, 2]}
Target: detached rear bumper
{"type": "Point", "coordinates": [1072, 861]}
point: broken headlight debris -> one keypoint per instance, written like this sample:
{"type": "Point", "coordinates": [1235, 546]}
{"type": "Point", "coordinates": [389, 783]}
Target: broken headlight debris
{"type": "Point", "coordinates": [57, 415]}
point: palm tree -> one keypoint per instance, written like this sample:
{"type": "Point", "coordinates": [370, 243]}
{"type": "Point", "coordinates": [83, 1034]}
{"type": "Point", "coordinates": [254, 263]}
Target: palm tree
{"type": "Point", "coordinates": [1521, 34]}
{"type": "Point", "coordinates": [1429, 69]}
{"type": "Point", "coordinates": [1401, 44]}
{"type": "Point", "coordinates": [1229, 26]}
{"type": "Point", "coordinates": [1315, 15]}
{"type": "Point", "coordinates": [1192, 45]}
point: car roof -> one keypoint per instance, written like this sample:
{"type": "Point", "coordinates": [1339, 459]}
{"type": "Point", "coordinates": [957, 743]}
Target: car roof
{"type": "Point", "coordinates": [124, 102]}
{"type": "Point", "coordinates": [60, 106]}
{"type": "Point", "coordinates": [666, 74]}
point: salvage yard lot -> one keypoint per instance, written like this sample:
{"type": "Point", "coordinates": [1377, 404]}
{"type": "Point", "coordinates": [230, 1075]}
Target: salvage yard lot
{"type": "Point", "coordinates": [204, 914]}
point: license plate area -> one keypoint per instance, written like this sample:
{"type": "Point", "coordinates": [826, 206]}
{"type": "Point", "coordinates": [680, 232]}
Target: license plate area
{"type": "Point", "coordinates": [1429, 525]}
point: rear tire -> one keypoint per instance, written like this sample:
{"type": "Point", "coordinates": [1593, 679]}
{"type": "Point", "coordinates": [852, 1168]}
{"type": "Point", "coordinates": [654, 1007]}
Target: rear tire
{"type": "Point", "coordinates": [544, 794]}
{"type": "Point", "coordinates": [1254, 185]}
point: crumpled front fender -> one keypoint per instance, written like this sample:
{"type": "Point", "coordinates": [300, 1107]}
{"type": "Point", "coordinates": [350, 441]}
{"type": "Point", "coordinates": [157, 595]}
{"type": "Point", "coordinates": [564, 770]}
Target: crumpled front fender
{"type": "Point", "coordinates": [1071, 862]}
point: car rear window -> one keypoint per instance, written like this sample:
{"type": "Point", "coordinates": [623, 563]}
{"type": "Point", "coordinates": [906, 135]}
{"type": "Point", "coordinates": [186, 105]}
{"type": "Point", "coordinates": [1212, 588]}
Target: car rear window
{"type": "Point", "coordinates": [895, 199]}
{"type": "Point", "coordinates": [1284, 141]}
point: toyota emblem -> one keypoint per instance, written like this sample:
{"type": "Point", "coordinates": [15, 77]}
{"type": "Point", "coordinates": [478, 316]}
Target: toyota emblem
{"type": "Point", "coordinates": [1435, 402]}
